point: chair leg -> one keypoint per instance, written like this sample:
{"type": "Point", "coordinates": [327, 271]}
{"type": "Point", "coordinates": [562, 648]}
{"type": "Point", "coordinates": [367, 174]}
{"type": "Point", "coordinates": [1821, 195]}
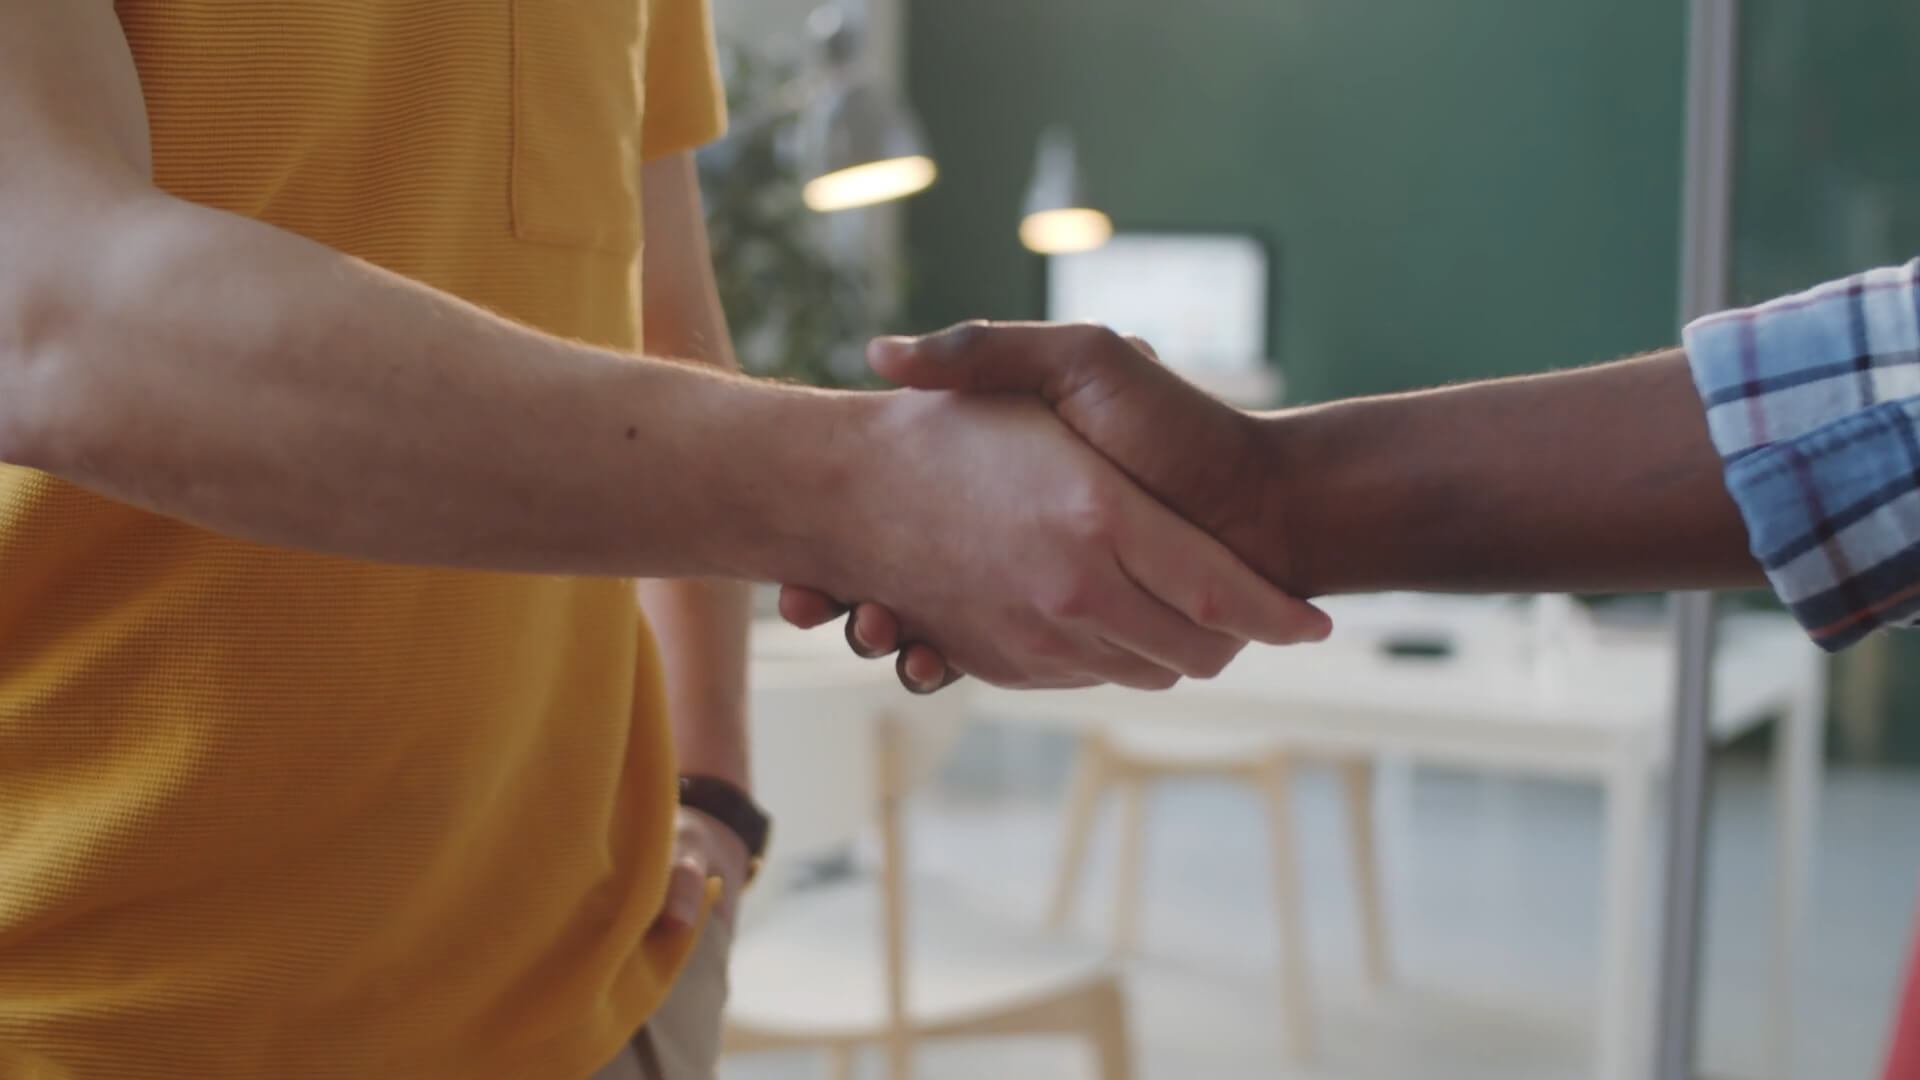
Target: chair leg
{"type": "Point", "coordinates": [1297, 1005]}
{"type": "Point", "coordinates": [1109, 1032]}
{"type": "Point", "coordinates": [1083, 800]}
{"type": "Point", "coordinates": [1126, 884]}
{"type": "Point", "coordinates": [1357, 782]}
{"type": "Point", "coordinates": [900, 1057]}
{"type": "Point", "coordinates": [840, 1063]}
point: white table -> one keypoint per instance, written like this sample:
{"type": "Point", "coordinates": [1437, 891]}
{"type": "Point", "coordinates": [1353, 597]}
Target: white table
{"type": "Point", "coordinates": [1605, 719]}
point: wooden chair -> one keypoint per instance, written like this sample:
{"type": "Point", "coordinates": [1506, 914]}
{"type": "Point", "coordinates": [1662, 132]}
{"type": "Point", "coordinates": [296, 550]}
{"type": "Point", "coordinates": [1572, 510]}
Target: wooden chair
{"type": "Point", "coordinates": [872, 962]}
{"type": "Point", "coordinates": [1133, 759]}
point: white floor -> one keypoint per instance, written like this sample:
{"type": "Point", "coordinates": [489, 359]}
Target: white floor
{"type": "Point", "coordinates": [1493, 889]}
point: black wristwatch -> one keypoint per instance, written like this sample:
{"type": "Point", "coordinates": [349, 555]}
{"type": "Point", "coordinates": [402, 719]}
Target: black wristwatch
{"type": "Point", "coordinates": [726, 803]}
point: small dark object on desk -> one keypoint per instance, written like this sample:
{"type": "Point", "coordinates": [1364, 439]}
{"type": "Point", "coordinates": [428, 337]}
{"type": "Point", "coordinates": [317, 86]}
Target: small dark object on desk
{"type": "Point", "coordinates": [1417, 647]}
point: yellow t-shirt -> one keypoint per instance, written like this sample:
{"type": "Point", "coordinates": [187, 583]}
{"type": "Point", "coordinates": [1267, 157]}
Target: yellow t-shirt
{"type": "Point", "coordinates": [273, 816]}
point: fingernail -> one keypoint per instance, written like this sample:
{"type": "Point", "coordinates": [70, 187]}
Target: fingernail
{"type": "Point", "coordinates": [857, 641]}
{"type": "Point", "coordinates": [903, 669]}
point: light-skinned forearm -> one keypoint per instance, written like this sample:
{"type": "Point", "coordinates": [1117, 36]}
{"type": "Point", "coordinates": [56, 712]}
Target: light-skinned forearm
{"type": "Point", "coordinates": [701, 624]}
{"type": "Point", "coordinates": [701, 627]}
{"type": "Point", "coordinates": [1599, 479]}
{"type": "Point", "coordinates": [233, 375]}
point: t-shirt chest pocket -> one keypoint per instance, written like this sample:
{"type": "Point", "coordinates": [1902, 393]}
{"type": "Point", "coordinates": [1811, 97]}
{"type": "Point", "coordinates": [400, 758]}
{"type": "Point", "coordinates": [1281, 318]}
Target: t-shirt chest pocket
{"type": "Point", "coordinates": [576, 122]}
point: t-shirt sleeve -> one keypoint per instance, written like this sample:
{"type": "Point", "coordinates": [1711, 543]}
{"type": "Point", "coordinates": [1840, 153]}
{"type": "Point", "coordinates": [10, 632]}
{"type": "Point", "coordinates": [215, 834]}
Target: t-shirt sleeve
{"type": "Point", "coordinates": [686, 103]}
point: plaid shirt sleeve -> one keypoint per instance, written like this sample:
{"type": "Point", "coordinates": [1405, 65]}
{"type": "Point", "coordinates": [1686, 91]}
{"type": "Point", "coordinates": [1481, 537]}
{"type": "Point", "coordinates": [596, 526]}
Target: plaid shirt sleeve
{"type": "Point", "coordinates": [1813, 401]}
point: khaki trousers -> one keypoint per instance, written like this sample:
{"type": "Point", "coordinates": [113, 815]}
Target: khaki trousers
{"type": "Point", "coordinates": [682, 1040]}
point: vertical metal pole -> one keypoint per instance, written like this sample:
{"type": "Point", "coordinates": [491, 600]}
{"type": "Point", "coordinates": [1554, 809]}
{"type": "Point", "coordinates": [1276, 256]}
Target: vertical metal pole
{"type": "Point", "coordinates": [1677, 1021]}
{"type": "Point", "coordinates": [1711, 74]}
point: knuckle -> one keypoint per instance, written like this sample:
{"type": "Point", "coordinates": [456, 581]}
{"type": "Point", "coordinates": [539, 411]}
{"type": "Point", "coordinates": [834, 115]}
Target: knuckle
{"type": "Point", "coordinates": [1071, 597]}
{"type": "Point", "coordinates": [1091, 513]}
{"type": "Point", "coordinates": [1099, 345]}
{"type": "Point", "coordinates": [962, 338]}
{"type": "Point", "coordinates": [1210, 607]}
{"type": "Point", "coordinates": [1093, 335]}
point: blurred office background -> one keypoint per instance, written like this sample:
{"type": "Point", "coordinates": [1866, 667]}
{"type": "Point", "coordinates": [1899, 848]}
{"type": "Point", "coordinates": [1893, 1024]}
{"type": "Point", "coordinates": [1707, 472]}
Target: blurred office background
{"type": "Point", "coordinates": [1436, 190]}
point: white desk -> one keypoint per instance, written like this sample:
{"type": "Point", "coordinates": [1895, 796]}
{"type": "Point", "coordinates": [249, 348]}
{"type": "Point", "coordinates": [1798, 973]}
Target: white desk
{"type": "Point", "coordinates": [1606, 721]}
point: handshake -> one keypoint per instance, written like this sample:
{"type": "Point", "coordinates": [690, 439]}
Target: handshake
{"type": "Point", "coordinates": [1064, 510]}
{"type": "Point", "coordinates": [1121, 521]}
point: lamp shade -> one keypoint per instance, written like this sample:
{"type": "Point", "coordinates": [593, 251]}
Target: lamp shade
{"type": "Point", "coordinates": [860, 144]}
{"type": "Point", "coordinates": [1056, 218]}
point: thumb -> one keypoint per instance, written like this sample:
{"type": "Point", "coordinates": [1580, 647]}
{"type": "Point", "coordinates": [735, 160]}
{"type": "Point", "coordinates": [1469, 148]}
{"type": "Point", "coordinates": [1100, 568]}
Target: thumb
{"type": "Point", "coordinates": [988, 358]}
{"type": "Point", "coordinates": [686, 891]}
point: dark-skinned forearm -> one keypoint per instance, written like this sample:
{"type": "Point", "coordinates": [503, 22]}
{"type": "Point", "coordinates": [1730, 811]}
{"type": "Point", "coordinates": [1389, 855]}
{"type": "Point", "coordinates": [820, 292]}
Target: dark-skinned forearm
{"type": "Point", "coordinates": [1600, 479]}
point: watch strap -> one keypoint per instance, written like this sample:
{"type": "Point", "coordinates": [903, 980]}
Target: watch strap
{"type": "Point", "coordinates": [731, 806]}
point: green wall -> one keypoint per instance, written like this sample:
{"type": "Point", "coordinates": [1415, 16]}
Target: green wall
{"type": "Point", "coordinates": [1828, 180]}
{"type": "Point", "coordinates": [1456, 189]}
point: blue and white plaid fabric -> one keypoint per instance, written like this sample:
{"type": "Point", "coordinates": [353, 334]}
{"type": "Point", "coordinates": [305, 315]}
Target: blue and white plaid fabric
{"type": "Point", "coordinates": [1814, 403]}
